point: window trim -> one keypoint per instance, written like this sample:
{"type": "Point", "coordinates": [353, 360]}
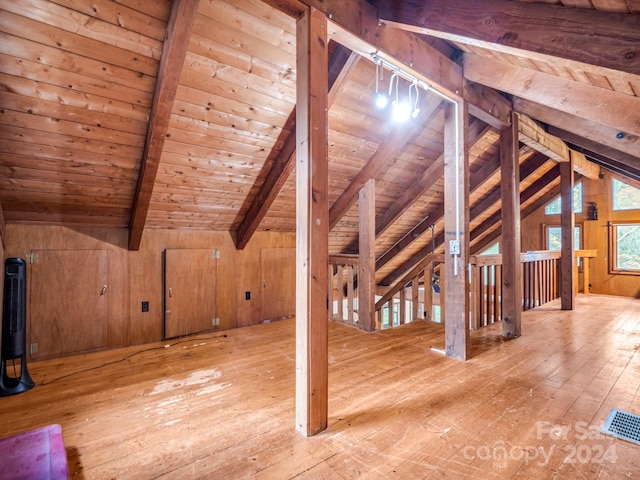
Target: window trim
{"type": "Point", "coordinates": [613, 251]}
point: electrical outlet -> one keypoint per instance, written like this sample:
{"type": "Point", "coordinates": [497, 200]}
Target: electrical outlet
{"type": "Point", "coordinates": [215, 322]}
{"type": "Point", "coordinates": [454, 247]}
{"type": "Point", "coordinates": [145, 307]}
{"type": "Point", "coordinates": [247, 295]}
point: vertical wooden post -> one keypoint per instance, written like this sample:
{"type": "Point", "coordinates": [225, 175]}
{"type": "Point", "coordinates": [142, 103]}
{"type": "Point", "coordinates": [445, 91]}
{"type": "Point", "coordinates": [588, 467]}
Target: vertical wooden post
{"type": "Point", "coordinates": [367, 257]}
{"type": "Point", "coordinates": [428, 293]}
{"type": "Point", "coordinates": [567, 221]}
{"type": "Point", "coordinates": [340, 292]}
{"type": "Point", "coordinates": [312, 225]}
{"type": "Point", "coordinates": [350, 293]}
{"type": "Point", "coordinates": [415, 298]}
{"type": "Point", "coordinates": [456, 230]}
{"type": "Point", "coordinates": [511, 243]}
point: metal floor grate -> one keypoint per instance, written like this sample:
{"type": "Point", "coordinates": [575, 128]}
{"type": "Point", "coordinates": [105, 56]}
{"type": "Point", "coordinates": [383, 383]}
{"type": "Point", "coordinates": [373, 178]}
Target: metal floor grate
{"type": "Point", "coordinates": [623, 425]}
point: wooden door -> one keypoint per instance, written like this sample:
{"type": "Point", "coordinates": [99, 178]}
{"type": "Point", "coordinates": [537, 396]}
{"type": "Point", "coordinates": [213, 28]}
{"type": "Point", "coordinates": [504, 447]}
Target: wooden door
{"type": "Point", "coordinates": [67, 302]}
{"type": "Point", "coordinates": [278, 273]}
{"type": "Point", "coordinates": [190, 291]}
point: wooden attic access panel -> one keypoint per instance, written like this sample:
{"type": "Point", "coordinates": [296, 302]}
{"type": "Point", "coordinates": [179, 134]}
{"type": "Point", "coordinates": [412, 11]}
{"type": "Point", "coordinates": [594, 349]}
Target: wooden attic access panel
{"type": "Point", "coordinates": [190, 279]}
{"type": "Point", "coordinates": [278, 275]}
{"type": "Point", "coordinates": [67, 302]}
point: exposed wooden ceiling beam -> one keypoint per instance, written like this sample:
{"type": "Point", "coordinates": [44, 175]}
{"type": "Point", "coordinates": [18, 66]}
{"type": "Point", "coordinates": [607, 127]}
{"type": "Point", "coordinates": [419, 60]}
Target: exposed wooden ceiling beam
{"type": "Point", "coordinates": [342, 62]}
{"type": "Point", "coordinates": [181, 18]}
{"type": "Point", "coordinates": [603, 39]}
{"type": "Point", "coordinates": [381, 160]}
{"type": "Point", "coordinates": [607, 107]}
{"type": "Point", "coordinates": [632, 162]}
{"type": "Point", "coordinates": [535, 136]}
{"type": "Point", "coordinates": [587, 129]}
{"type": "Point", "coordinates": [609, 163]}
{"type": "Point", "coordinates": [525, 171]}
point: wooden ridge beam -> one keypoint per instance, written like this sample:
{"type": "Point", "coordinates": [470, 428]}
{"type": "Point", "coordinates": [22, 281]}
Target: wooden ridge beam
{"type": "Point", "coordinates": [174, 51]}
{"type": "Point", "coordinates": [380, 161]}
{"type": "Point", "coordinates": [625, 142]}
{"type": "Point", "coordinates": [342, 62]}
{"type": "Point", "coordinates": [610, 108]}
{"type": "Point", "coordinates": [355, 25]}
{"type": "Point", "coordinates": [530, 30]}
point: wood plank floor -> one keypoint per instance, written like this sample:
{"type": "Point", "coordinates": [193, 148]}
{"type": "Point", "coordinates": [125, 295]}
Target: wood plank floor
{"type": "Point", "coordinates": [221, 405]}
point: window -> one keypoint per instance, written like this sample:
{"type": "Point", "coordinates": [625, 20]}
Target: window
{"type": "Point", "coordinates": [625, 196]}
{"type": "Point", "coordinates": [554, 237]}
{"type": "Point", "coordinates": [624, 245]}
{"type": "Point", "coordinates": [492, 250]}
{"type": "Point", "coordinates": [555, 207]}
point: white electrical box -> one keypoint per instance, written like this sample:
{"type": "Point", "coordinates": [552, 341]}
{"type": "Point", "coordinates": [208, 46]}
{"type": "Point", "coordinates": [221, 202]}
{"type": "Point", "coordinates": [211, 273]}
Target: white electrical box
{"type": "Point", "coordinates": [454, 247]}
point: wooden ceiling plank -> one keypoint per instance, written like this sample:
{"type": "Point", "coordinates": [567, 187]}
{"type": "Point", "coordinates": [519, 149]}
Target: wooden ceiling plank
{"type": "Point", "coordinates": [532, 30]}
{"type": "Point", "coordinates": [389, 148]}
{"type": "Point", "coordinates": [181, 19]}
{"type": "Point", "coordinates": [591, 103]}
{"type": "Point", "coordinates": [421, 185]}
{"type": "Point", "coordinates": [341, 64]}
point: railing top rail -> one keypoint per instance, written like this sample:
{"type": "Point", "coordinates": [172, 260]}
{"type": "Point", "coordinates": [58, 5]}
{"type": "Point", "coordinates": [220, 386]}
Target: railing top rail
{"type": "Point", "coordinates": [344, 259]}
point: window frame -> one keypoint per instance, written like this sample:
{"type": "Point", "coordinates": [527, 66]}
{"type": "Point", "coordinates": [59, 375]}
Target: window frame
{"type": "Point", "coordinates": [613, 248]}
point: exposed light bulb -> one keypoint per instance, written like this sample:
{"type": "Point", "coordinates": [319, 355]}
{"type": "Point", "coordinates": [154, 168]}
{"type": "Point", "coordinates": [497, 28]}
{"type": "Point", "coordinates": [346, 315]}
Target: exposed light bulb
{"type": "Point", "coordinates": [381, 100]}
{"type": "Point", "coordinates": [401, 111]}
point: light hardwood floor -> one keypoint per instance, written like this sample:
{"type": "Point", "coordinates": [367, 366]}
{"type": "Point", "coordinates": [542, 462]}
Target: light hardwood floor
{"type": "Point", "coordinates": [221, 405]}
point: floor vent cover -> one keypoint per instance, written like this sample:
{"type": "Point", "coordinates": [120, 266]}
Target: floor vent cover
{"type": "Point", "coordinates": [623, 425]}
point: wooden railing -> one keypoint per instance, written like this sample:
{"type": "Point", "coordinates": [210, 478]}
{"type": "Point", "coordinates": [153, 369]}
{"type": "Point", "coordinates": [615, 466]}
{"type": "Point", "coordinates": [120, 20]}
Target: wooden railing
{"type": "Point", "coordinates": [412, 297]}
{"type": "Point", "coordinates": [405, 302]}
{"type": "Point", "coordinates": [343, 300]}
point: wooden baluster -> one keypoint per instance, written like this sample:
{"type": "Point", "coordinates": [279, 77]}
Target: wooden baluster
{"type": "Point", "coordinates": [350, 293]}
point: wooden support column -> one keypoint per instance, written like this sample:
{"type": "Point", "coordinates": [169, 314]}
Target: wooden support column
{"type": "Point", "coordinates": [567, 220]}
{"type": "Point", "coordinates": [456, 226]}
{"type": "Point", "coordinates": [312, 225]}
{"type": "Point", "coordinates": [511, 243]}
{"type": "Point", "coordinates": [367, 260]}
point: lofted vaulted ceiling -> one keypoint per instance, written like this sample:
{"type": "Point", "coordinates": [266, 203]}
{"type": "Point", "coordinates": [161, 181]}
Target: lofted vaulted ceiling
{"type": "Point", "coordinates": [140, 115]}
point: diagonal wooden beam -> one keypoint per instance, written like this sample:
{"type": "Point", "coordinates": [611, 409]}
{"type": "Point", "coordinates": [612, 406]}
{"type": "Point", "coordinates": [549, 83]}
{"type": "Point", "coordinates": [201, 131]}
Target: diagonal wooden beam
{"type": "Point", "coordinates": [590, 130]}
{"type": "Point", "coordinates": [609, 163]}
{"type": "Point", "coordinates": [524, 196]}
{"type": "Point", "coordinates": [632, 162]}
{"type": "Point", "coordinates": [381, 160]}
{"type": "Point", "coordinates": [421, 185]}
{"type": "Point", "coordinates": [530, 30]}
{"type": "Point", "coordinates": [181, 18]}
{"type": "Point", "coordinates": [610, 108]}
{"type": "Point", "coordinates": [342, 62]}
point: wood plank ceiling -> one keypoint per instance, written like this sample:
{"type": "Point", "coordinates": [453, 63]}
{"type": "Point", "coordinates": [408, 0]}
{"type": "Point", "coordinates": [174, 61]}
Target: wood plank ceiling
{"type": "Point", "coordinates": [77, 96]}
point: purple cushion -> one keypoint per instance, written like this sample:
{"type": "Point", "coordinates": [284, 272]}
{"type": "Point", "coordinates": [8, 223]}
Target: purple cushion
{"type": "Point", "coordinates": [37, 454]}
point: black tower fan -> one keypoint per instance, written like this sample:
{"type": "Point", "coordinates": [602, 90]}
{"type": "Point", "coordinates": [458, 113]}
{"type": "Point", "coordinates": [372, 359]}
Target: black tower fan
{"type": "Point", "coordinates": [14, 321]}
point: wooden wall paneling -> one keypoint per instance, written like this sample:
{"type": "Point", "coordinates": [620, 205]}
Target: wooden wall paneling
{"type": "Point", "coordinates": [367, 260]}
{"type": "Point", "coordinates": [312, 224]}
{"type": "Point", "coordinates": [68, 301]}
{"type": "Point", "coordinates": [567, 223]}
{"type": "Point", "coordinates": [3, 229]}
{"type": "Point", "coordinates": [511, 243]}
{"type": "Point", "coordinates": [278, 292]}
{"type": "Point", "coordinates": [456, 198]}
